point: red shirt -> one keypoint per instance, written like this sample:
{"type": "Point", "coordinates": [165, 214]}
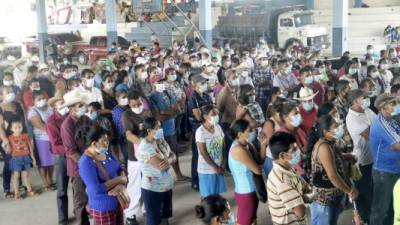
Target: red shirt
{"type": "Point", "coordinates": [53, 127]}
{"type": "Point", "coordinates": [308, 118]}
{"type": "Point", "coordinates": [19, 145]}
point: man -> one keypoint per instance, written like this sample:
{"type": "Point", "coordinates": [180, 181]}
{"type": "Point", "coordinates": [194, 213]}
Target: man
{"type": "Point", "coordinates": [262, 79]}
{"type": "Point", "coordinates": [384, 137]}
{"type": "Point", "coordinates": [44, 79]}
{"type": "Point", "coordinates": [308, 109]}
{"type": "Point", "coordinates": [342, 90]}
{"type": "Point", "coordinates": [164, 107]}
{"type": "Point", "coordinates": [227, 100]}
{"type": "Point", "coordinates": [358, 122]}
{"type": "Point", "coordinates": [74, 146]}
{"type": "Point", "coordinates": [285, 79]}
{"type": "Point", "coordinates": [140, 82]}
{"type": "Point", "coordinates": [53, 127]}
{"type": "Point", "coordinates": [368, 87]}
{"type": "Point", "coordinates": [226, 64]}
{"type": "Point", "coordinates": [87, 76]}
{"type": "Point", "coordinates": [286, 190]}
{"type": "Point", "coordinates": [132, 121]}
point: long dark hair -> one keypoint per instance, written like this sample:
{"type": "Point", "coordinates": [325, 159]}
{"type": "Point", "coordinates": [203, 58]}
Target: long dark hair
{"type": "Point", "coordinates": [148, 124]}
{"type": "Point", "coordinates": [210, 207]}
{"type": "Point", "coordinates": [238, 126]}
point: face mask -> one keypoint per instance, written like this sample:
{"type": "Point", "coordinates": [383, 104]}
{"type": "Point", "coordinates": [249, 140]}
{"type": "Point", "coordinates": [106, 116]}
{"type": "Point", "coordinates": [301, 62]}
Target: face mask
{"type": "Point", "coordinates": [81, 111]}
{"type": "Point", "coordinates": [8, 82]}
{"type": "Point", "coordinates": [375, 74]}
{"type": "Point", "coordinates": [264, 63]}
{"type": "Point", "coordinates": [308, 106]}
{"type": "Point", "coordinates": [159, 134]}
{"type": "Point", "coordinates": [366, 103]}
{"type": "Point", "coordinates": [353, 71]}
{"type": "Point", "coordinates": [124, 101]}
{"type": "Point", "coordinates": [10, 97]}
{"type": "Point", "coordinates": [160, 87]}
{"type": "Point", "coordinates": [396, 110]}
{"type": "Point", "coordinates": [384, 66]}
{"type": "Point", "coordinates": [235, 82]}
{"type": "Point", "coordinates": [109, 86]}
{"type": "Point", "coordinates": [370, 51]}
{"type": "Point", "coordinates": [126, 69]}
{"type": "Point", "coordinates": [63, 111]}
{"type": "Point", "coordinates": [295, 158]}
{"type": "Point", "coordinates": [214, 120]}
{"type": "Point", "coordinates": [252, 137]}
{"type": "Point", "coordinates": [203, 88]}
{"type": "Point", "coordinates": [339, 132]}
{"type": "Point", "coordinates": [89, 82]}
{"type": "Point", "coordinates": [245, 73]}
{"type": "Point", "coordinates": [317, 78]}
{"type": "Point", "coordinates": [296, 120]}
{"type": "Point", "coordinates": [41, 103]}
{"type": "Point", "coordinates": [252, 99]}
{"type": "Point", "coordinates": [144, 76]}
{"type": "Point", "coordinates": [288, 70]}
{"type": "Point", "coordinates": [70, 75]}
{"type": "Point", "coordinates": [309, 80]}
{"type": "Point", "coordinates": [172, 77]}
{"type": "Point", "coordinates": [138, 110]}
{"type": "Point", "coordinates": [36, 89]}
{"type": "Point", "coordinates": [321, 70]}
{"type": "Point", "coordinates": [92, 116]}
{"type": "Point", "coordinates": [370, 62]}
{"type": "Point", "coordinates": [102, 150]}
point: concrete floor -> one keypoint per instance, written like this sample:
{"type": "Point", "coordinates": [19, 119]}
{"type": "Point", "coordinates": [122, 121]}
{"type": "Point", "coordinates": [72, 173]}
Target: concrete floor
{"type": "Point", "coordinates": [42, 209]}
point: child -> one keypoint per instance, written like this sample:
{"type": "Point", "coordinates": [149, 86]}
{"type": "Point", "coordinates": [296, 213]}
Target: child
{"type": "Point", "coordinates": [22, 157]}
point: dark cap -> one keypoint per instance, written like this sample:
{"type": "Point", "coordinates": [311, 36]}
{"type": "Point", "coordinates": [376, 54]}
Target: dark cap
{"type": "Point", "coordinates": [198, 79]}
{"type": "Point", "coordinates": [353, 95]}
{"type": "Point", "coordinates": [384, 99]}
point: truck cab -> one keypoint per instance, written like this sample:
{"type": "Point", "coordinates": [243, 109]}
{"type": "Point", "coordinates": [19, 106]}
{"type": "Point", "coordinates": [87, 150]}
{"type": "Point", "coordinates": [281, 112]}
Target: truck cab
{"type": "Point", "coordinates": [298, 28]}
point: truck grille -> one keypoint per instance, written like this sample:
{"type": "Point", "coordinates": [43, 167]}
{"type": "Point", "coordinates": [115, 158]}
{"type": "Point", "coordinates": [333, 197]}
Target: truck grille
{"type": "Point", "coordinates": [317, 40]}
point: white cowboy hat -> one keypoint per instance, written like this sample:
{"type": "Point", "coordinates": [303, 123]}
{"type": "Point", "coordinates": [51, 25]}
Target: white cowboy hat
{"type": "Point", "coordinates": [43, 66]}
{"type": "Point", "coordinates": [75, 96]}
{"type": "Point", "coordinates": [306, 94]}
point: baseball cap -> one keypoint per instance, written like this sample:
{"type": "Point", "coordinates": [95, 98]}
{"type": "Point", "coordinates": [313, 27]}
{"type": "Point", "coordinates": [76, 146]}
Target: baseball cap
{"type": "Point", "coordinates": [384, 99]}
{"type": "Point", "coordinates": [354, 94]}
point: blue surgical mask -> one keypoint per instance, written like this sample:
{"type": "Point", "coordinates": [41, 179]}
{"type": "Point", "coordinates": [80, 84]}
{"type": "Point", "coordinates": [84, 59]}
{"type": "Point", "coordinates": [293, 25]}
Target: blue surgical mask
{"type": "Point", "coordinates": [339, 132]}
{"type": "Point", "coordinates": [309, 80]}
{"type": "Point", "coordinates": [159, 134]}
{"type": "Point", "coordinates": [296, 157]}
{"type": "Point", "coordinates": [308, 106]}
{"type": "Point", "coordinates": [81, 111]}
{"type": "Point", "coordinates": [396, 110]}
{"type": "Point", "coordinates": [102, 150]}
{"type": "Point", "coordinates": [214, 120]}
{"type": "Point", "coordinates": [296, 120]}
{"type": "Point", "coordinates": [252, 137]}
{"type": "Point", "coordinates": [92, 116]}
{"type": "Point", "coordinates": [366, 103]}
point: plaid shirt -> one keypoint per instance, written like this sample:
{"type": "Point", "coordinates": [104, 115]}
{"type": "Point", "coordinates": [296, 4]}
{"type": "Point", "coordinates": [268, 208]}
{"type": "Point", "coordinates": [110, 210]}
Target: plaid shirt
{"type": "Point", "coordinates": [262, 80]}
{"type": "Point", "coordinates": [256, 112]}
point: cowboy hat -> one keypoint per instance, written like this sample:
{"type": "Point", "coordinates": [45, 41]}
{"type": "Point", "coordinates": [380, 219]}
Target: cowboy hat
{"type": "Point", "coordinates": [43, 66]}
{"type": "Point", "coordinates": [58, 96]}
{"type": "Point", "coordinates": [75, 96]}
{"type": "Point", "coordinates": [306, 94]}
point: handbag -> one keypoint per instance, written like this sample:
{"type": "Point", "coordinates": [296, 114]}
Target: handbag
{"type": "Point", "coordinates": [122, 196]}
{"type": "Point", "coordinates": [258, 180]}
{"type": "Point", "coordinates": [355, 172]}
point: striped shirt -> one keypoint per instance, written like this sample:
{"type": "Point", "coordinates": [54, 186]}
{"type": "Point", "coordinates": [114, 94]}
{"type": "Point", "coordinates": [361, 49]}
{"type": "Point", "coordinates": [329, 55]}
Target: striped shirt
{"type": "Point", "coordinates": [285, 189]}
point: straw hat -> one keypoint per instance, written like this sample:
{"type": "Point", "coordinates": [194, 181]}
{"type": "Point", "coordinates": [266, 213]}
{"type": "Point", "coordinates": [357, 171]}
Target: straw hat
{"type": "Point", "coordinates": [58, 96]}
{"type": "Point", "coordinates": [306, 94]}
{"type": "Point", "coordinates": [76, 96]}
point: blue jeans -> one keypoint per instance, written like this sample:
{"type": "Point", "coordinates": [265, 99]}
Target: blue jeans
{"type": "Point", "coordinates": [364, 187]}
{"type": "Point", "coordinates": [62, 188]}
{"type": "Point", "coordinates": [6, 170]}
{"type": "Point", "coordinates": [326, 215]}
{"type": "Point", "coordinates": [382, 203]}
{"type": "Point", "coordinates": [195, 156]}
{"type": "Point", "coordinates": [267, 166]}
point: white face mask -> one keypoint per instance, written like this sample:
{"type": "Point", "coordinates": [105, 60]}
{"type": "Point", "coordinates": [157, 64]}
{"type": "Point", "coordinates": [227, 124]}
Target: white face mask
{"type": "Point", "coordinates": [245, 73]}
{"type": "Point", "coordinates": [138, 110]}
{"type": "Point", "coordinates": [160, 87]}
{"type": "Point", "coordinates": [375, 74]}
{"type": "Point", "coordinates": [63, 110]}
{"type": "Point", "coordinates": [172, 77]}
{"type": "Point", "coordinates": [8, 82]}
{"type": "Point", "coordinates": [109, 86]}
{"type": "Point", "coordinates": [41, 103]}
{"type": "Point", "coordinates": [124, 101]}
{"type": "Point", "coordinates": [203, 88]}
{"type": "Point", "coordinates": [70, 75]}
{"type": "Point", "coordinates": [144, 76]}
{"type": "Point", "coordinates": [89, 83]}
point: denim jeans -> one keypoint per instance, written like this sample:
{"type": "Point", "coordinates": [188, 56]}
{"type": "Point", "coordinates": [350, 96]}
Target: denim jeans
{"type": "Point", "coordinates": [382, 202]}
{"type": "Point", "coordinates": [326, 215]}
{"type": "Point", "coordinates": [80, 201]}
{"type": "Point", "coordinates": [195, 156]}
{"type": "Point", "coordinates": [267, 166]}
{"type": "Point", "coordinates": [6, 170]}
{"type": "Point", "coordinates": [62, 188]}
{"type": "Point", "coordinates": [364, 187]}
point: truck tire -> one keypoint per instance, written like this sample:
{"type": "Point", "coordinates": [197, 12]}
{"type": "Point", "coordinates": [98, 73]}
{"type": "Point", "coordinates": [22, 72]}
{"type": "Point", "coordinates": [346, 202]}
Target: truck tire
{"type": "Point", "coordinates": [82, 58]}
{"type": "Point", "coordinates": [293, 41]}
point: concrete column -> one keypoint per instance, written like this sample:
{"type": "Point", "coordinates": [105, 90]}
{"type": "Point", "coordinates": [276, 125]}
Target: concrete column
{"type": "Point", "coordinates": [310, 4]}
{"type": "Point", "coordinates": [41, 28]}
{"type": "Point", "coordinates": [205, 21]}
{"type": "Point", "coordinates": [340, 27]}
{"type": "Point", "coordinates": [111, 20]}
{"type": "Point", "coordinates": [358, 3]}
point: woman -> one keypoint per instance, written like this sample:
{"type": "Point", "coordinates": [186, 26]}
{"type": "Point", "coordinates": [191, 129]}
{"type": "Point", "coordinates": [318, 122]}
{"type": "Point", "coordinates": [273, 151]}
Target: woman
{"type": "Point", "coordinates": [101, 189]}
{"type": "Point", "coordinates": [328, 175]}
{"type": "Point", "coordinates": [118, 110]}
{"type": "Point", "coordinates": [242, 167]}
{"type": "Point", "coordinates": [214, 210]}
{"type": "Point", "coordinates": [210, 143]}
{"type": "Point", "coordinates": [376, 77]}
{"type": "Point", "coordinates": [155, 159]}
{"type": "Point", "coordinates": [38, 116]}
{"type": "Point", "coordinates": [107, 90]}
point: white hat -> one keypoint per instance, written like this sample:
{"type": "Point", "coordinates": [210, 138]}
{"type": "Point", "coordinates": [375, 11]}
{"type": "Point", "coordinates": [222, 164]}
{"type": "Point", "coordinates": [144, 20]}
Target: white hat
{"type": "Point", "coordinates": [11, 58]}
{"type": "Point", "coordinates": [35, 58]}
{"type": "Point", "coordinates": [75, 96]}
{"type": "Point", "coordinates": [43, 66]}
{"type": "Point", "coordinates": [141, 60]}
{"type": "Point", "coordinates": [306, 94]}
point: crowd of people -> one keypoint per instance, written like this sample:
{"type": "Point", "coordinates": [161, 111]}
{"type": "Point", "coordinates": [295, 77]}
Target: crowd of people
{"type": "Point", "coordinates": [293, 132]}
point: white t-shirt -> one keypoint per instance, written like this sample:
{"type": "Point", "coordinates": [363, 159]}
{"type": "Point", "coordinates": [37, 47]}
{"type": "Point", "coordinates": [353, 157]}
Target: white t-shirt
{"type": "Point", "coordinates": [356, 123]}
{"type": "Point", "coordinates": [95, 94]}
{"type": "Point", "coordinates": [214, 144]}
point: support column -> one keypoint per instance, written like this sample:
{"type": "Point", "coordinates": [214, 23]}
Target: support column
{"type": "Point", "coordinates": [340, 27]}
{"type": "Point", "coordinates": [41, 28]}
{"type": "Point", "coordinates": [205, 21]}
{"type": "Point", "coordinates": [111, 22]}
{"type": "Point", "coordinates": [310, 4]}
{"type": "Point", "coordinates": [358, 3]}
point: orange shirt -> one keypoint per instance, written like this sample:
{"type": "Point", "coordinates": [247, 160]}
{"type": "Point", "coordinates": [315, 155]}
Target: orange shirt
{"type": "Point", "coordinates": [19, 145]}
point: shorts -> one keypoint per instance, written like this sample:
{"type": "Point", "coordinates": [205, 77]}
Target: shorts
{"type": "Point", "coordinates": [173, 143]}
{"type": "Point", "coordinates": [247, 205]}
{"type": "Point", "coordinates": [158, 206]}
{"type": "Point", "coordinates": [20, 163]}
{"type": "Point", "coordinates": [115, 217]}
{"type": "Point", "coordinates": [210, 184]}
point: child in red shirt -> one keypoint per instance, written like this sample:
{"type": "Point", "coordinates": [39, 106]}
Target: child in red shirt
{"type": "Point", "coordinates": [22, 157]}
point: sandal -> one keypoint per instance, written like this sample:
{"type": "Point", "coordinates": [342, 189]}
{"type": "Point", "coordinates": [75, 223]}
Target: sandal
{"type": "Point", "coordinates": [9, 194]}
{"type": "Point", "coordinates": [17, 196]}
{"type": "Point", "coordinates": [31, 193]}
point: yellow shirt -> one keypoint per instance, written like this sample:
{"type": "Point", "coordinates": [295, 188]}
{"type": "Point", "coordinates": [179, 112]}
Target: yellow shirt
{"type": "Point", "coordinates": [396, 202]}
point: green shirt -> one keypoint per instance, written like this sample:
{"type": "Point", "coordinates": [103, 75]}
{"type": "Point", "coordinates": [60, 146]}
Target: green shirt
{"type": "Point", "coordinates": [396, 202]}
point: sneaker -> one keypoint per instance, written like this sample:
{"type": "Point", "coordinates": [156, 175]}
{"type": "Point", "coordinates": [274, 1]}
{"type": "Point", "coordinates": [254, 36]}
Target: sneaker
{"type": "Point", "coordinates": [132, 221]}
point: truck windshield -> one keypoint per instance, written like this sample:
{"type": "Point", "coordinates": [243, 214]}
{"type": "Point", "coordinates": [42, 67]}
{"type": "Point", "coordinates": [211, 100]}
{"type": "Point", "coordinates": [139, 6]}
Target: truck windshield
{"type": "Point", "coordinates": [303, 20]}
